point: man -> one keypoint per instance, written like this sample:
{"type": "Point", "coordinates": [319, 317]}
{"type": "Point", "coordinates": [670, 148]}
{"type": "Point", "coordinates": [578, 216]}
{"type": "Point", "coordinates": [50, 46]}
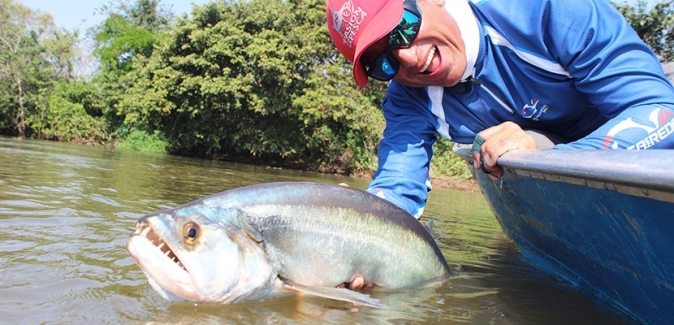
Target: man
{"type": "Point", "coordinates": [483, 72]}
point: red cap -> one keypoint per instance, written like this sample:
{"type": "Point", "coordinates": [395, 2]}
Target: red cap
{"type": "Point", "coordinates": [354, 25]}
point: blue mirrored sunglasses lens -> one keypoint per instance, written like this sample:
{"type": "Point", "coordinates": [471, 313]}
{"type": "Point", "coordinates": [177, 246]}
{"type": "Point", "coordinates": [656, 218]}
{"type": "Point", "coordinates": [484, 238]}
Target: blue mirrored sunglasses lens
{"type": "Point", "coordinates": [383, 68]}
{"type": "Point", "coordinates": [406, 31]}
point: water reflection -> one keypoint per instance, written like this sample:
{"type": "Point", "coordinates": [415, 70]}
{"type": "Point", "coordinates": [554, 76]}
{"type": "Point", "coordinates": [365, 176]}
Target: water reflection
{"type": "Point", "coordinates": [66, 212]}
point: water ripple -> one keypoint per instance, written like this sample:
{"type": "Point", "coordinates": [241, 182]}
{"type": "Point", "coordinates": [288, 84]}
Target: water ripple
{"type": "Point", "coordinates": [66, 214]}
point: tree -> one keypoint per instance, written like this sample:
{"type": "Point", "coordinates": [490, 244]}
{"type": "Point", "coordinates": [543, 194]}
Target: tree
{"type": "Point", "coordinates": [654, 26]}
{"type": "Point", "coordinates": [257, 79]}
{"type": "Point", "coordinates": [123, 42]}
{"type": "Point", "coordinates": [24, 62]}
{"type": "Point", "coordinates": [65, 116]}
{"type": "Point", "coordinates": [120, 41]}
{"type": "Point", "coordinates": [130, 30]}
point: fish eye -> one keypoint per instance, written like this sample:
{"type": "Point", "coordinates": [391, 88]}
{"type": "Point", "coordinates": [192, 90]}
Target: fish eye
{"type": "Point", "coordinates": [190, 233]}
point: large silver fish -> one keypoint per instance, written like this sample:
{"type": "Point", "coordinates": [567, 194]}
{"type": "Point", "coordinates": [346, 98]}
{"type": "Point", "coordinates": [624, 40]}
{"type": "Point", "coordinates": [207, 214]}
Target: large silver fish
{"type": "Point", "coordinates": [259, 241]}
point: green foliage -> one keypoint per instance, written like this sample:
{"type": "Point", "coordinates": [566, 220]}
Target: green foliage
{"type": "Point", "coordinates": [71, 112]}
{"type": "Point", "coordinates": [124, 42]}
{"type": "Point", "coordinates": [251, 80]}
{"type": "Point", "coordinates": [66, 121]}
{"type": "Point", "coordinates": [60, 54]}
{"type": "Point", "coordinates": [343, 126]}
{"type": "Point", "coordinates": [148, 14]}
{"type": "Point", "coordinates": [34, 55]}
{"type": "Point", "coordinates": [654, 26]}
{"type": "Point", "coordinates": [257, 79]}
{"type": "Point", "coordinates": [119, 41]}
{"type": "Point", "coordinates": [130, 30]}
{"type": "Point", "coordinates": [446, 163]}
{"type": "Point", "coordinates": [142, 141]}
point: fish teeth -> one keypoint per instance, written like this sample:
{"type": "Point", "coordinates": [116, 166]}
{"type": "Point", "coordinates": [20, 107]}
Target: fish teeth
{"type": "Point", "coordinates": [146, 231]}
{"type": "Point", "coordinates": [161, 245]}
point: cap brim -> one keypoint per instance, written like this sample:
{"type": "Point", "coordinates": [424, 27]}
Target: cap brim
{"type": "Point", "coordinates": [379, 26]}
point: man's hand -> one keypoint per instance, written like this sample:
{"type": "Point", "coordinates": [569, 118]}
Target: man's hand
{"type": "Point", "coordinates": [357, 283]}
{"type": "Point", "coordinates": [497, 141]}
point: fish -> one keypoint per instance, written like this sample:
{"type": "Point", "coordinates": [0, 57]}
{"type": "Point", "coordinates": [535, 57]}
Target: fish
{"type": "Point", "coordinates": [267, 240]}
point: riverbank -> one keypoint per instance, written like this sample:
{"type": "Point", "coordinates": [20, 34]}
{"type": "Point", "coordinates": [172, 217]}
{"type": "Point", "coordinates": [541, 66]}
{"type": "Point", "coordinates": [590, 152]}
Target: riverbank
{"type": "Point", "coordinates": [437, 181]}
{"type": "Point", "coordinates": [455, 183]}
{"type": "Point", "coordinates": [442, 182]}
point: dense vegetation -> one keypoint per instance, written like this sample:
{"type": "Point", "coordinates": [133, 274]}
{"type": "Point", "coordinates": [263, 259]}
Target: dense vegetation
{"type": "Point", "coordinates": [255, 81]}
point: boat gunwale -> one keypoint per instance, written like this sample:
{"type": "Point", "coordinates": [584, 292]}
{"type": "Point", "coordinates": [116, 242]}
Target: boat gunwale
{"type": "Point", "coordinates": [644, 173]}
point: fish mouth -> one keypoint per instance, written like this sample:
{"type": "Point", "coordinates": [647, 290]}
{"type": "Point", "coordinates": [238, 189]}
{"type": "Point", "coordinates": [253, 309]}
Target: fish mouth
{"type": "Point", "coordinates": [145, 230]}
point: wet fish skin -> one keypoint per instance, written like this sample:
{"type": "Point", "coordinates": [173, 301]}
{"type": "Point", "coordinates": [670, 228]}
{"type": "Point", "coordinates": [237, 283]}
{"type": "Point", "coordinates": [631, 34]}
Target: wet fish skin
{"type": "Point", "coordinates": [311, 234]}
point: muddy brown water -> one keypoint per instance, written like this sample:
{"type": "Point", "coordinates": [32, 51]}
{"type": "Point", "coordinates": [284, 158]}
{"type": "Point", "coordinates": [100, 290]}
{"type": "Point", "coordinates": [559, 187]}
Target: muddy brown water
{"type": "Point", "coordinates": [67, 210]}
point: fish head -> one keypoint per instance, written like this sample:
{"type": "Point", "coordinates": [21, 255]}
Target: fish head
{"type": "Point", "coordinates": [186, 255]}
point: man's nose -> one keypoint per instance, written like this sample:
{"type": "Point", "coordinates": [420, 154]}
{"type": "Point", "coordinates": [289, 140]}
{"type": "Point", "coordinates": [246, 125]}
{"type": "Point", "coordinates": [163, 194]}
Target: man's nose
{"type": "Point", "coordinates": [407, 56]}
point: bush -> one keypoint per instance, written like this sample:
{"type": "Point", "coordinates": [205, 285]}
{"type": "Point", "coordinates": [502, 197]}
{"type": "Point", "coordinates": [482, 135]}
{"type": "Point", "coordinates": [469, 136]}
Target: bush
{"type": "Point", "coordinates": [446, 163]}
{"type": "Point", "coordinates": [63, 120]}
{"type": "Point", "coordinates": [142, 141]}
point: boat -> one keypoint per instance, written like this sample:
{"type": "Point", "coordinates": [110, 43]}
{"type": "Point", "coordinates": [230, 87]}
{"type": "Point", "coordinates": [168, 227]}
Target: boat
{"type": "Point", "coordinates": [600, 220]}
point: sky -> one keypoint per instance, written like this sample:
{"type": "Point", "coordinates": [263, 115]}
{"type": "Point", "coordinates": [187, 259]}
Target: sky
{"type": "Point", "coordinates": [81, 14]}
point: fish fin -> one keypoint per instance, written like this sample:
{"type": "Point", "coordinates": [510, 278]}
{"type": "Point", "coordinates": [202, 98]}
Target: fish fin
{"type": "Point", "coordinates": [429, 226]}
{"type": "Point", "coordinates": [341, 294]}
{"type": "Point", "coordinates": [252, 233]}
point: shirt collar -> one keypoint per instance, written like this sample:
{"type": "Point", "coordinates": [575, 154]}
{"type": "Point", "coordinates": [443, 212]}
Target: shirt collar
{"type": "Point", "coordinates": [470, 33]}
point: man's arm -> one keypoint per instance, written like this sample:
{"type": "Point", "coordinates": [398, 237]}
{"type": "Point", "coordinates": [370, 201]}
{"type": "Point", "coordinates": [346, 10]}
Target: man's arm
{"type": "Point", "coordinates": [618, 72]}
{"type": "Point", "coordinates": [404, 153]}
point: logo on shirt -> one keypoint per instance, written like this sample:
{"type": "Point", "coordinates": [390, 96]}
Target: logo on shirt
{"type": "Point", "coordinates": [347, 20]}
{"type": "Point", "coordinates": [660, 127]}
{"type": "Point", "coordinates": [531, 111]}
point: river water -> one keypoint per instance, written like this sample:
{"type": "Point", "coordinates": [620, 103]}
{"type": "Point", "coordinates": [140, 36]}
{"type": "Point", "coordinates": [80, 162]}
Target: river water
{"type": "Point", "coordinates": [67, 210]}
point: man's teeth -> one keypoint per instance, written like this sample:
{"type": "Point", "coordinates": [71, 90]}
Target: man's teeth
{"type": "Point", "coordinates": [428, 60]}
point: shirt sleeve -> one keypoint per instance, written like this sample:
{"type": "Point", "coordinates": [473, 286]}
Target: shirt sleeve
{"type": "Point", "coordinates": [617, 71]}
{"type": "Point", "coordinates": [405, 151]}
{"type": "Point", "coordinates": [637, 127]}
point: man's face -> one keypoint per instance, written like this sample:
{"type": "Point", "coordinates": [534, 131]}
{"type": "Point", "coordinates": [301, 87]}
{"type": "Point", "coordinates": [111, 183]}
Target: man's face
{"type": "Point", "coordinates": [437, 57]}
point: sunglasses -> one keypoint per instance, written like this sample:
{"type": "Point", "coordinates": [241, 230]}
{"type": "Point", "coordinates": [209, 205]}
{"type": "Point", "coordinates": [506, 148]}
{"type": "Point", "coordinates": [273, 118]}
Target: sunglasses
{"type": "Point", "coordinates": [385, 65]}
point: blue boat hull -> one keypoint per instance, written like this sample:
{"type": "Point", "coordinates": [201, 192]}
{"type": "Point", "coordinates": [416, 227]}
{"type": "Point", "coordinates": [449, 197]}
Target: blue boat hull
{"type": "Point", "coordinates": [602, 221]}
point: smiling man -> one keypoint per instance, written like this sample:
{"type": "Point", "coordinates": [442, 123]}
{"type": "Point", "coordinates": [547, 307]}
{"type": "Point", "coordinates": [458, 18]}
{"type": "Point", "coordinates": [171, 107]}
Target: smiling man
{"type": "Point", "coordinates": [499, 74]}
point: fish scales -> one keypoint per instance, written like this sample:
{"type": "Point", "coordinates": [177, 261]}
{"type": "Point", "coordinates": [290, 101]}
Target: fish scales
{"type": "Point", "coordinates": [254, 242]}
{"type": "Point", "coordinates": [328, 236]}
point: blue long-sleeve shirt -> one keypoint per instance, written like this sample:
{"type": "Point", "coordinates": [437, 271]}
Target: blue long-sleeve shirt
{"type": "Point", "coordinates": [572, 68]}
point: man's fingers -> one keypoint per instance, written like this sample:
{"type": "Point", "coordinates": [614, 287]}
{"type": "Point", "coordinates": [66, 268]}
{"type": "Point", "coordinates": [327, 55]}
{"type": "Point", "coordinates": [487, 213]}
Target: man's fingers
{"type": "Point", "coordinates": [492, 143]}
{"type": "Point", "coordinates": [357, 282]}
